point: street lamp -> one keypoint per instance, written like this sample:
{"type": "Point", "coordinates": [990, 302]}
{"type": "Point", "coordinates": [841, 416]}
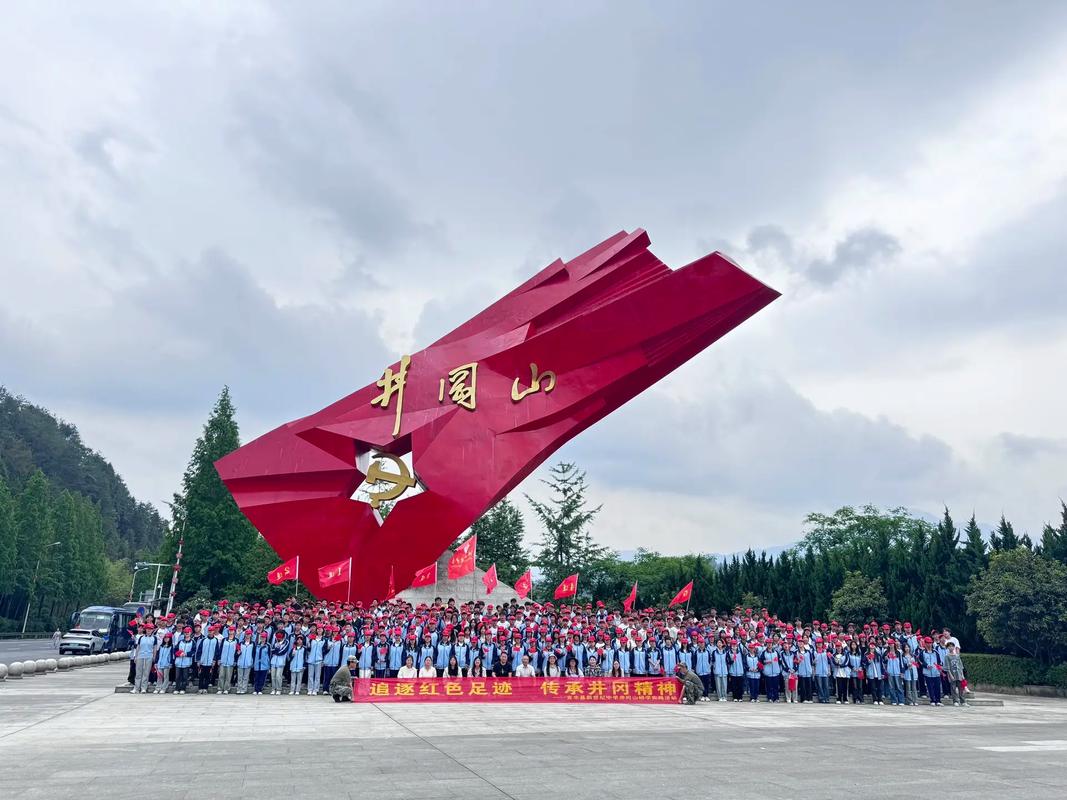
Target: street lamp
{"type": "Point", "coordinates": [138, 566]}
{"type": "Point", "coordinates": [29, 600]}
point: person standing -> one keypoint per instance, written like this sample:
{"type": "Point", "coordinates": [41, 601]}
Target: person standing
{"type": "Point", "coordinates": [183, 660]}
{"type": "Point", "coordinates": [842, 672]}
{"type": "Point", "coordinates": [930, 661]}
{"type": "Point", "coordinates": [57, 637]}
{"type": "Point", "coordinates": [737, 670]}
{"type": "Point", "coordinates": [822, 670]}
{"type": "Point", "coordinates": [719, 658]}
{"type": "Point", "coordinates": [873, 673]}
{"type": "Point", "coordinates": [261, 662]}
{"type": "Point", "coordinates": [702, 665]}
{"type": "Point", "coordinates": [954, 671]}
{"type": "Point", "coordinates": [164, 662]}
{"type": "Point", "coordinates": [315, 649]}
{"type": "Point", "coordinates": [910, 674]}
{"type": "Point", "coordinates": [752, 672]}
{"type": "Point", "coordinates": [207, 655]}
{"type": "Point", "coordinates": [145, 654]}
{"type": "Point", "coordinates": [228, 660]}
{"type": "Point", "coordinates": [279, 655]}
{"type": "Point", "coordinates": [246, 652]}
{"type": "Point", "coordinates": [894, 673]}
{"type": "Point", "coordinates": [297, 662]}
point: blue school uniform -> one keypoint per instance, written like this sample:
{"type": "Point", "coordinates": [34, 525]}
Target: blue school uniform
{"type": "Point", "coordinates": [297, 657]}
{"type": "Point", "coordinates": [702, 661]}
{"type": "Point", "coordinates": [279, 653]}
{"type": "Point", "coordinates": [639, 661]}
{"type": "Point", "coordinates": [165, 656]}
{"type": "Point", "coordinates": [228, 653]}
{"type": "Point", "coordinates": [462, 652]}
{"type": "Point", "coordinates": [668, 657]}
{"type": "Point", "coordinates": [261, 657]}
{"type": "Point", "coordinates": [207, 651]}
{"type": "Point", "coordinates": [246, 654]}
{"type": "Point", "coordinates": [718, 661]}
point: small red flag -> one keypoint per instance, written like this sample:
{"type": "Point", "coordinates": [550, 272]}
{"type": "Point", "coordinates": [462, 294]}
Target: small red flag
{"type": "Point", "coordinates": [427, 576]}
{"type": "Point", "coordinates": [628, 603]}
{"type": "Point", "coordinates": [462, 561]}
{"type": "Point", "coordinates": [524, 584]}
{"type": "Point", "coordinates": [390, 593]}
{"type": "Point", "coordinates": [489, 579]}
{"type": "Point", "coordinates": [683, 596]}
{"type": "Point", "coordinates": [568, 588]}
{"type": "Point", "coordinates": [338, 572]}
{"type": "Point", "coordinates": [284, 572]}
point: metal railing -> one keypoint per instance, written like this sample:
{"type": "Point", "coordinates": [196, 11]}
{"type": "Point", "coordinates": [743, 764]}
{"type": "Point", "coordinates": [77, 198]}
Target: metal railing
{"type": "Point", "coordinates": [26, 635]}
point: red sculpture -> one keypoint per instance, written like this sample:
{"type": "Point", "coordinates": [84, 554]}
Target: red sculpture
{"type": "Point", "coordinates": [479, 410]}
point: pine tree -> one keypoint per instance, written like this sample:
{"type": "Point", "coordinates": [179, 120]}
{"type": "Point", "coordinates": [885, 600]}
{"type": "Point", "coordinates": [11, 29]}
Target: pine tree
{"type": "Point", "coordinates": [8, 538]}
{"type": "Point", "coordinates": [500, 532]}
{"type": "Point", "coordinates": [566, 545]}
{"type": "Point", "coordinates": [1054, 541]}
{"type": "Point", "coordinates": [1004, 538]}
{"type": "Point", "coordinates": [34, 533]}
{"type": "Point", "coordinates": [218, 537]}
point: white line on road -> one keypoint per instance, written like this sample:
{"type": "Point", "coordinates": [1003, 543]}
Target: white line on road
{"type": "Point", "coordinates": [1040, 746]}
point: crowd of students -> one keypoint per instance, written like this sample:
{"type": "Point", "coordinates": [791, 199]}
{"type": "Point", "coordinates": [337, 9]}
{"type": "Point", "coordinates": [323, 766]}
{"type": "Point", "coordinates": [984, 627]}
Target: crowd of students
{"type": "Point", "coordinates": [743, 654]}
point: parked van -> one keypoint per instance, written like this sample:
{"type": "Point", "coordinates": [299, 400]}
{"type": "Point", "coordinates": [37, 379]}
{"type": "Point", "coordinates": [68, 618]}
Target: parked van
{"type": "Point", "coordinates": [97, 629]}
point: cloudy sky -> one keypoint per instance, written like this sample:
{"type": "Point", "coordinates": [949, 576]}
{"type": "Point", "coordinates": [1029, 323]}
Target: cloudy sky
{"type": "Point", "coordinates": [285, 200]}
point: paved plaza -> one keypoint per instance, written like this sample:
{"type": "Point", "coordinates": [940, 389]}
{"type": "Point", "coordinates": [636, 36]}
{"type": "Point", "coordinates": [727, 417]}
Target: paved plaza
{"type": "Point", "coordinates": [70, 735]}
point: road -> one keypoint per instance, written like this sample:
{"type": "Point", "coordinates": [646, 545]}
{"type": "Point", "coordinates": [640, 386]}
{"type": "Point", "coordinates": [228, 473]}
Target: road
{"type": "Point", "coordinates": [70, 735]}
{"type": "Point", "coordinates": [26, 649]}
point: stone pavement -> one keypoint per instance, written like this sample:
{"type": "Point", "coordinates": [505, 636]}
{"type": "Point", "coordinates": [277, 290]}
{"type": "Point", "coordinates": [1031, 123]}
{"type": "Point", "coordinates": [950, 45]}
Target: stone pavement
{"type": "Point", "coordinates": [71, 735]}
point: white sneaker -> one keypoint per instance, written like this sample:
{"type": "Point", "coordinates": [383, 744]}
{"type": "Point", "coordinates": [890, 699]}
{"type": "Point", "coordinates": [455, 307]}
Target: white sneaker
{"type": "Point", "coordinates": [955, 703]}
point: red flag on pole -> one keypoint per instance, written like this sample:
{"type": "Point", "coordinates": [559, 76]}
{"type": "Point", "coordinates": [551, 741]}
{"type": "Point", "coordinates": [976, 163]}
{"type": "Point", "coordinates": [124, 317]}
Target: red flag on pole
{"type": "Point", "coordinates": [489, 579]}
{"type": "Point", "coordinates": [427, 576]}
{"type": "Point", "coordinates": [338, 572]}
{"type": "Point", "coordinates": [390, 593]}
{"type": "Point", "coordinates": [628, 603]}
{"type": "Point", "coordinates": [462, 561]}
{"type": "Point", "coordinates": [568, 588]}
{"type": "Point", "coordinates": [524, 584]}
{"type": "Point", "coordinates": [683, 596]}
{"type": "Point", "coordinates": [284, 572]}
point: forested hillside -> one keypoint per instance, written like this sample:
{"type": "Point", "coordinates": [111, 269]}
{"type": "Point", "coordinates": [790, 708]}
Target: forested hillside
{"type": "Point", "coordinates": [32, 438]}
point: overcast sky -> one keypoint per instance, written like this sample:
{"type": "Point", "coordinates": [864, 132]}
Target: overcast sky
{"type": "Point", "coordinates": [286, 197]}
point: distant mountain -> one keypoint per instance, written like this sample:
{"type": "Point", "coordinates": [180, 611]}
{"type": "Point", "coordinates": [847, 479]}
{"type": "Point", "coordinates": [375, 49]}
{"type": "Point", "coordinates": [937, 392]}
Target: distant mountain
{"type": "Point", "coordinates": [629, 555]}
{"type": "Point", "coordinates": [33, 438]}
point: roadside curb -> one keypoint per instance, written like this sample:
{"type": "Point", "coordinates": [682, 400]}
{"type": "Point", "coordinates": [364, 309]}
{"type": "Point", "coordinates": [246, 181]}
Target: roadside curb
{"type": "Point", "coordinates": [17, 670]}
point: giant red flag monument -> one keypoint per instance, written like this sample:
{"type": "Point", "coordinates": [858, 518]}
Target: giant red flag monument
{"type": "Point", "coordinates": [478, 410]}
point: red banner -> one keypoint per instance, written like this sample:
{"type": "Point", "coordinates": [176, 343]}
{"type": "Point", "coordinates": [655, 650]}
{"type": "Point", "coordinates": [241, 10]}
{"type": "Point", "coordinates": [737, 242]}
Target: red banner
{"type": "Point", "coordinates": [517, 690]}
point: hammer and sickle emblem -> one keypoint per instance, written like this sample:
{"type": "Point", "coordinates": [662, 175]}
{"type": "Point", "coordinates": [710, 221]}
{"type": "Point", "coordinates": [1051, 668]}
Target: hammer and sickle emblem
{"type": "Point", "coordinates": [401, 480]}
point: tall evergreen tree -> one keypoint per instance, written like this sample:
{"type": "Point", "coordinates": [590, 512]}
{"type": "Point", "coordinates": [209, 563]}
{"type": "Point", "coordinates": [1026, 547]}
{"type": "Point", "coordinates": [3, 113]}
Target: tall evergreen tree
{"type": "Point", "coordinates": [218, 537]}
{"type": "Point", "coordinates": [566, 544]}
{"type": "Point", "coordinates": [8, 537]}
{"type": "Point", "coordinates": [1054, 540]}
{"type": "Point", "coordinates": [500, 532]}
{"type": "Point", "coordinates": [1004, 537]}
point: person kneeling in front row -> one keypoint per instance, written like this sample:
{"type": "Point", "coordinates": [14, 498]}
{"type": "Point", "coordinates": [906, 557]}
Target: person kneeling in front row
{"type": "Point", "coordinates": [341, 682]}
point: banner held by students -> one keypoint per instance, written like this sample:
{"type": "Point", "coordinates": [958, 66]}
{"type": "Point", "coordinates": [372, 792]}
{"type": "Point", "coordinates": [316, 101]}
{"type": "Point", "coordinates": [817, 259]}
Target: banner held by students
{"type": "Point", "coordinates": [517, 690]}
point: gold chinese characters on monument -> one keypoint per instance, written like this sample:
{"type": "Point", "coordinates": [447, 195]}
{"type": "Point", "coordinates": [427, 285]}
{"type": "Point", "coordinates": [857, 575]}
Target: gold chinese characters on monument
{"type": "Point", "coordinates": [460, 386]}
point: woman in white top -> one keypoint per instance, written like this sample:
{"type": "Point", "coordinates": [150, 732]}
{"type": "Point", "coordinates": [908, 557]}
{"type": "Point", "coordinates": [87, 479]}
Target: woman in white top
{"type": "Point", "coordinates": [408, 670]}
{"type": "Point", "coordinates": [552, 669]}
{"type": "Point", "coordinates": [427, 670]}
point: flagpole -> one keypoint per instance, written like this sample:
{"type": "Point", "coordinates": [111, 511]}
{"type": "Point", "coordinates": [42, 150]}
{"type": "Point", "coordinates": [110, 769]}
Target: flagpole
{"type": "Point", "coordinates": [296, 592]}
{"type": "Point", "coordinates": [349, 600]}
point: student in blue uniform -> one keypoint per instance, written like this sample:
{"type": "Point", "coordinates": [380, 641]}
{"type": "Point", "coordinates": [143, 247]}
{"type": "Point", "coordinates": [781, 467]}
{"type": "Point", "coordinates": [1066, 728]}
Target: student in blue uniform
{"type": "Point", "coordinates": [930, 662]}
{"type": "Point", "coordinates": [873, 673]}
{"type": "Point", "coordinates": [842, 672]}
{"type": "Point", "coordinates": [737, 655]}
{"type": "Point", "coordinates": [207, 655]}
{"type": "Point", "coordinates": [910, 674]}
{"type": "Point", "coordinates": [719, 657]}
{"type": "Point", "coordinates": [164, 662]}
{"type": "Point", "coordinates": [702, 665]}
{"type": "Point", "coordinates": [772, 671]}
{"type": "Point", "coordinates": [297, 662]}
{"type": "Point", "coordinates": [245, 659]}
{"type": "Point", "coordinates": [316, 646]}
{"type": "Point", "coordinates": [184, 651]}
{"type": "Point", "coordinates": [821, 668]}
{"type": "Point", "coordinates": [261, 662]}
{"type": "Point", "coordinates": [894, 674]}
{"type": "Point", "coordinates": [802, 665]}
{"type": "Point", "coordinates": [855, 667]}
{"type": "Point", "coordinates": [144, 652]}
{"type": "Point", "coordinates": [279, 655]}
{"type": "Point", "coordinates": [331, 657]}
{"type": "Point", "coordinates": [227, 660]}
{"type": "Point", "coordinates": [752, 672]}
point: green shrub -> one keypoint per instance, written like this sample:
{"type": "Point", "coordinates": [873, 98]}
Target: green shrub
{"type": "Point", "coordinates": [1003, 670]}
{"type": "Point", "coordinates": [1057, 676]}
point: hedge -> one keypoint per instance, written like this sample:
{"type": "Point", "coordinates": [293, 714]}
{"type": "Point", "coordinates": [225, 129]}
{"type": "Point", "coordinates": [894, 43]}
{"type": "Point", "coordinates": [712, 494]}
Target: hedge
{"type": "Point", "coordinates": [1007, 670]}
{"type": "Point", "coordinates": [1057, 676]}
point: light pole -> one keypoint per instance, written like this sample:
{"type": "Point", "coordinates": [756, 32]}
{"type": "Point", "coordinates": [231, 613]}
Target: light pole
{"type": "Point", "coordinates": [142, 565]}
{"type": "Point", "coordinates": [29, 600]}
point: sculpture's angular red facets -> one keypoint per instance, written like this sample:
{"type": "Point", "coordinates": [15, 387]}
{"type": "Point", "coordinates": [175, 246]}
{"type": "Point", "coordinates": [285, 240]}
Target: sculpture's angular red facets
{"type": "Point", "coordinates": [479, 410]}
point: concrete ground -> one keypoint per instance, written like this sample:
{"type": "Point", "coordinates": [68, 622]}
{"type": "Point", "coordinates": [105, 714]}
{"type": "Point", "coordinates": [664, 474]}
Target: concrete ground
{"type": "Point", "coordinates": [70, 735]}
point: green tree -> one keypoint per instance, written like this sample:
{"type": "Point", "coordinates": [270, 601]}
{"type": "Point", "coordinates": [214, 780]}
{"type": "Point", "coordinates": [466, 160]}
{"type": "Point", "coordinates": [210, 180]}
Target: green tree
{"type": "Point", "coordinates": [8, 541]}
{"type": "Point", "coordinates": [566, 544]}
{"type": "Point", "coordinates": [859, 599]}
{"type": "Point", "coordinates": [500, 532]}
{"type": "Point", "coordinates": [1003, 538]}
{"type": "Point", "coordinates": [1053, 540]}
{"type": "Point", "coordinates": [217, 535]}
{"type": "Point", "coordinates": [1020, 603]}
